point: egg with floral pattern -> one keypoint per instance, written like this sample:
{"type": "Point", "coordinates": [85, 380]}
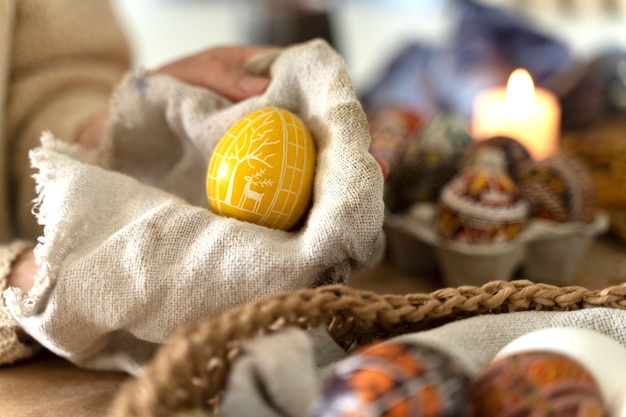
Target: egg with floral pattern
{"type": "Point", "coordinates": [262, 169]}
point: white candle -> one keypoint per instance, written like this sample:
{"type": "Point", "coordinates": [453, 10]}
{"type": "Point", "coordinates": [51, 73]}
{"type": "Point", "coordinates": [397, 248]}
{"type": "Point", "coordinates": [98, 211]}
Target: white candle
{"type": "Point", "coordinates": [520, 111]}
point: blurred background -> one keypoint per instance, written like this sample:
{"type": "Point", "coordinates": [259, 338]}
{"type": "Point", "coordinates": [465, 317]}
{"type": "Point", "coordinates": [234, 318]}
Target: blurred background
{"type": "Point", "coordinates": [367, 32]}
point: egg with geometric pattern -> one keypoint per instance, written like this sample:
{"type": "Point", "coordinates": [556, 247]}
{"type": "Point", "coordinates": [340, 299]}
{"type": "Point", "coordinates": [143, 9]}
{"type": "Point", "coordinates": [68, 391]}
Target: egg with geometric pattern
{"type": "Point", "coordinates": [562, 189]}
{"type": "Point", "coordinates": [502, 154]}
{"type": "Point", "coordinates": [396, 379]}
{"type": "Point", "coordinates": [481, 206]}
{"type": "Point", "coordinates": [262, 169]}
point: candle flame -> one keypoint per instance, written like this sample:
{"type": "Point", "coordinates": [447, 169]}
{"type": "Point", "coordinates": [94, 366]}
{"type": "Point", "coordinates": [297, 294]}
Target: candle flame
{"type": "Point", "coordinates": [520, 95]}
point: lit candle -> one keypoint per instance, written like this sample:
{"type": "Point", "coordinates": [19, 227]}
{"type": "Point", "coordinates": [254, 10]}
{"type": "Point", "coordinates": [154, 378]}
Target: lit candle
{"type": "Point", "coordinates": [522, 112]}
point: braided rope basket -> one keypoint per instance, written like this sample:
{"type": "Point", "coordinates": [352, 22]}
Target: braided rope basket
{"type": "Point", "coordinates": [190, 372]}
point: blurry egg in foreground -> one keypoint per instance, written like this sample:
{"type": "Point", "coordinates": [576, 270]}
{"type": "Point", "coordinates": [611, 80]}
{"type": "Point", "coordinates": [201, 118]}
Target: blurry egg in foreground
{"type": "Point", "coordinates": [481, 206]}
{"type": "Point", "coordinates": [602, 355]}
{"type": "Point", "coordinates": [394, 379]}
{"type": "Point", "coordinates": [262, 169]}
{"type": "Point", "coordinates": [538, 384]}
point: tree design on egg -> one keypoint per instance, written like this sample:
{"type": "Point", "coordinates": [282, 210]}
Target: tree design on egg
{"type": "Point", "coordinates": [250, 150]}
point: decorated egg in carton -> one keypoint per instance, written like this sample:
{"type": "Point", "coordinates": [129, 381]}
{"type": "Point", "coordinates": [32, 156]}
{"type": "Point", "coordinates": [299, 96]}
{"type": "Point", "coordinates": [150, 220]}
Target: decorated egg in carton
{"type": "Point", "coordinates": [485, 227]}
{"type": "Point", "coordinates": [502, 212]}
{"type": "Point", "coordinates": [547, 251]}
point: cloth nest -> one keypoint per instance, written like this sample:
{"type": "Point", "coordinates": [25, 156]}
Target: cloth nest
{"type": "Point", "coordinates": [130, 243]}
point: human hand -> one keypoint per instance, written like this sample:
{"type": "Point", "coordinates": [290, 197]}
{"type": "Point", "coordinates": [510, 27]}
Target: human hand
{"type": "Point", "coordinates": [23, 272]}
{"type": "Point", "coordinates": [220, 69]}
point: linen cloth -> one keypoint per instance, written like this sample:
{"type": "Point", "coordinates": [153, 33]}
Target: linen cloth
{"type": "Point", "coordinates": [267, 371]}
{"type": "Point", "coordinates": [130, 251]}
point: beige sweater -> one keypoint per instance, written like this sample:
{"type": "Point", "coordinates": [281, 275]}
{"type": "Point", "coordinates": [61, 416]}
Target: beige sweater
{"type": "Point", "coordinates": [59, 61]}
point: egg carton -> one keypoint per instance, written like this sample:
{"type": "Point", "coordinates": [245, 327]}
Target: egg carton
{"type": "Point", "coordinates": [547, 251]}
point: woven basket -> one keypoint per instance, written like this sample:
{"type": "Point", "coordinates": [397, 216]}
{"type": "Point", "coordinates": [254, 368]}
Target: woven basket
{"type": "Point", "coordinates": [190, 372]}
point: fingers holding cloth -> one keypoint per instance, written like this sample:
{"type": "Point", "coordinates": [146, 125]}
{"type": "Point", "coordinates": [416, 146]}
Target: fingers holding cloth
{"type": "Point", "coordinates": [133, 246]}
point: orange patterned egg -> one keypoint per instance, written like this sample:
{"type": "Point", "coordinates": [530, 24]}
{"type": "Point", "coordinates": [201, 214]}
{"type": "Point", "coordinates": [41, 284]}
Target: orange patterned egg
{"type": "Point", "coordinates": [536, 383]}
{"type": "Point", "coordinates": [262, 169]}
{"type": "Point", "coordinates": [396, 379]}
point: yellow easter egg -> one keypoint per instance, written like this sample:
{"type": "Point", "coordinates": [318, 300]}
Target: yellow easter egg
{"type": "Point", "coordinates": [262, 169]}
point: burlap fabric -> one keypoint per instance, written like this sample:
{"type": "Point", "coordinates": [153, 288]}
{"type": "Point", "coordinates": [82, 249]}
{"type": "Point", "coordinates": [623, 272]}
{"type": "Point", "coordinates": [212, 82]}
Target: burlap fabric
{"type": "Point", "coordinates": [191, 371]}
{"type": "Point", "coordinates": [132, 247]}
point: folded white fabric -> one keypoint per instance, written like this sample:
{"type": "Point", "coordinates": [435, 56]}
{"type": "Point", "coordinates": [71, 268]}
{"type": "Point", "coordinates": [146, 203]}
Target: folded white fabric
{"type": "Point", "coordinates": [131, 252]}
{"type": "Point", "coordinates": [259, 382]}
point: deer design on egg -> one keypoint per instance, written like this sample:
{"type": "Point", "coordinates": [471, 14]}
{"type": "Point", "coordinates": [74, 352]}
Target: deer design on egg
{"type": "Point", "coordinates": [250, 194]}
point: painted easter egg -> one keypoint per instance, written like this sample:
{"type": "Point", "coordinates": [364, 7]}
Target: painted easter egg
{"type": "Point", "coordinates": [392, 128]}
{"type": "Point", "coordinates": [617, 405]}
{"type": "Point", "coordinates": [499, 153]}
{"type": "Point", "coordinates": [262, 169]}
{"type": "Point", "coordinates": [481, 206]}
{"type": "Point", "coordinates": [538, 383]}
{"type": "Point", "coordinates": [396, 379]}
{"type": "Point", "coordinates": [429, 162]}
{"type": "Point", "coordinates": [561, 188]}
{"type": "Point", "coordinates": [582, 345]}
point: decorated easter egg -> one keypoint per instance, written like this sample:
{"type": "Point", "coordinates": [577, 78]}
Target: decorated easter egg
{"type": "Point", "coordinates": [262, 169]}
{"type": "Point", "coordinates": [481, 206]}
{"type": "Point", "coordinates": [499, 153]}
{"type": "Point", "coordinates": [561, 188]}
{"type": "Point", "coordinates": [392, 128]}
{"type": "Point", "coordinates": [537, 383]}
{"type": "Point", "coordinates": [445, 137]}
{"type": "Point", "coordinates": [617, 404]}
{"type": "Point", "coordinates": [395, 379]}
{"type": "Point", "coordinates": [582, 345]}
{"type": "Point", "coordinates": [430, 161]}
